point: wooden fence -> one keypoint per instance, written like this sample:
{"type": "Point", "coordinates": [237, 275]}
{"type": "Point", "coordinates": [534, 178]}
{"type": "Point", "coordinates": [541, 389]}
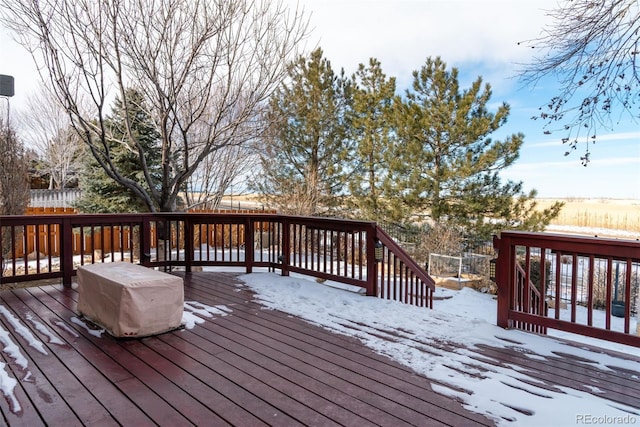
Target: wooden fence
{"type": "Point", "coordinates": [45, 238]}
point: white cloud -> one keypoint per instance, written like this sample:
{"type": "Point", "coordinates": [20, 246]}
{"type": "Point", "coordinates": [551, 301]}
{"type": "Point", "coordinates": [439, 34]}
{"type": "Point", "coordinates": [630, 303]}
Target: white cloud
{"type": "Point", "coordinates": [402, 34]}
{"type": "Point", "coordinates": [562, 166]}
{"type": "Point", "coordinates": [620, 136]}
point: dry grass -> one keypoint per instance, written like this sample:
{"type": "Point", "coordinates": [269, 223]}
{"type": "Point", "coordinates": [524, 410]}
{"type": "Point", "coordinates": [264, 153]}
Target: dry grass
{"type": "Point", "coordinates": [611, 214]}
{"type": "Point", "coordinates": [615, 214]}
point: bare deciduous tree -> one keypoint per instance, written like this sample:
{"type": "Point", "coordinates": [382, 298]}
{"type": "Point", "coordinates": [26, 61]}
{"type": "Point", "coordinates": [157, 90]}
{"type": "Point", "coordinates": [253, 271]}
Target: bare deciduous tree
{"type": "Point", "coordinates": [14, 185]}
{"type": "Point", "coordinates": [48, 131]}
{"type": "Point", "coordinates": [217, 174]}
{"type": "Point", "coordinates": [223, 169]}
{"type": "Point", "coordinates": [592, 47]}
{"type": "Point", "coordinates": [14, 173]}
{"type": "Point", "coordinates": [298, 196]}
{"type": "Point", "coordinates": [206, 68]}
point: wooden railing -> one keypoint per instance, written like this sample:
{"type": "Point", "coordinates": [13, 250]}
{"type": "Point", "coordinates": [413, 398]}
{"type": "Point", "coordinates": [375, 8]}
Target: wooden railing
{"type": "Point", "coordinates": [587, 286]}
{"type": "Point", "coordinates": [54, 246]}
{"type": "Point", "coordinates": [400, 277]}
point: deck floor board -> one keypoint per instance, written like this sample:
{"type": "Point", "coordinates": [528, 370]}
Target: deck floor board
{"type": "Point", "coordinates": [343, 367]}
{"type": "Point", "coordinates": [253, 366]}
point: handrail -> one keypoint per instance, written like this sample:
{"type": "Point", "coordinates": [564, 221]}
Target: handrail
{"type": "Point", "coordinates": [400, 277]}
{"type": "Point", "coordinates": [394, 247]}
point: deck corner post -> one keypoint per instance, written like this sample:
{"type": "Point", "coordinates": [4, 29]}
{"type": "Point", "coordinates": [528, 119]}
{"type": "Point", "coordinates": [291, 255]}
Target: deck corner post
{"type": "Point", "coordinates": [189, 242]}
{"type": "Point", "coordinates": [638, 316]}
{"type": "Point", "coordinates": [286, 246]}
{"type": "Point", "coordinates": [145, 241]}
{"type": "Point", "coordinates": [372, 262]}
{"type": "Point", "coordinates": [502, 246]}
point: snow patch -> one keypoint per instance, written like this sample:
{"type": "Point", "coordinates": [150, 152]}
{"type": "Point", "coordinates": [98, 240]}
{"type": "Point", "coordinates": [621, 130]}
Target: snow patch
{"type": "Point", "coordinates": [22, 330]}
{"type": "Point", "coordinates": [52, 339]}
{"type": "Point", "coordinates": [95, 332]}
{"type": "Point", "coordinates": [194, 311]}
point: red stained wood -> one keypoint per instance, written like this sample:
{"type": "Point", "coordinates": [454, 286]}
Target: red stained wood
{"type": "Point", "coordinates": [252, 367]}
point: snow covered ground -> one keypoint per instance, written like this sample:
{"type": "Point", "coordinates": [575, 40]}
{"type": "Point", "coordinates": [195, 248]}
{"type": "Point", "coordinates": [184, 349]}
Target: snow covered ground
{"type": "Point", "coordinates": [465, 317]}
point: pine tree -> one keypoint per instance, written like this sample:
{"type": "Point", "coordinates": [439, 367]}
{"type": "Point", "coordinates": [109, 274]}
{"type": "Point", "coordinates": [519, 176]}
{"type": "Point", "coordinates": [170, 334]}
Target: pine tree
{"type": "Point", "coordinates": [305, 153]}
{"type": "Point", "coordinates": [373, 129]}
{"type": "Point", "coordinates": [101, 193]}
{"type": "Point", "coordinates": [446, 164]}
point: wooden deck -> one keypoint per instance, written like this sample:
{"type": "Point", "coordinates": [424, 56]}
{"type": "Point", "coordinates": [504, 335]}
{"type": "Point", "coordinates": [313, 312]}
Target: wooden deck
{"type": "Point", "coordinates": [248, 368]}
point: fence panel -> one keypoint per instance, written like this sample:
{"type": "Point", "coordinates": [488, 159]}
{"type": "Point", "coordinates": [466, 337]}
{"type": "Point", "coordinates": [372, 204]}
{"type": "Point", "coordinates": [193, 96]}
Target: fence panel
{"type": "Point", "coordinates": [54, 198]}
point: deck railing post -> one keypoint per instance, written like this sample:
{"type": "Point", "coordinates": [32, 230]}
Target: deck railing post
{"type": "Point", "coordinates": [188, 243]}
{"type": "Point", "coordinates": [286, 246]}
{"type": "Point", "coordinates": [249, 244]}
{"type": "Point", "coordinates": [638, 315]}
{"type": "Point", "coordinates": [145, 241]}
{"type": "Point", "coordinates": [504, 276]}
{"type": "Point", "coordinates": [372, 262]}
{"type": "Point", "coordinates": [67, 251]}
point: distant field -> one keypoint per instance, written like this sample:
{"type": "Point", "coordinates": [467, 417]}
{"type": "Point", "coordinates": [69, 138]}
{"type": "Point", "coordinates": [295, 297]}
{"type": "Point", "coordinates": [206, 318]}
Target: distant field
{"type": "Point", "coordinates": [612, 214]}
{"type": "Point", "coordinates": [588, 214]}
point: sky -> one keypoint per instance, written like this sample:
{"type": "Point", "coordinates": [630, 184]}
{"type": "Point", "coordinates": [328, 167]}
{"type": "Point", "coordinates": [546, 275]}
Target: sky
{"type": "Point", "coordinates": [466, 318]}
{"type": "Point", "coordinates": [479, 38]}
